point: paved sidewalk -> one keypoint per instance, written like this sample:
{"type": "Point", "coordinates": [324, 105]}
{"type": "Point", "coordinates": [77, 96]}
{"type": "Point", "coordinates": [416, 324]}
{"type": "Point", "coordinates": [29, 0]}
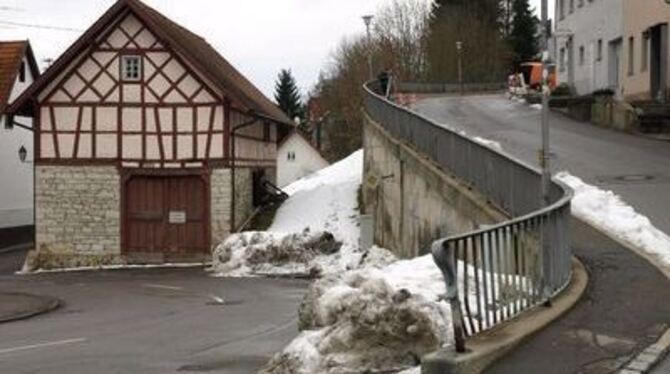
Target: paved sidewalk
{"type": "Point", "coordinates": [16, 306]}
{"type": "Point", "coordinates": [626, 307]}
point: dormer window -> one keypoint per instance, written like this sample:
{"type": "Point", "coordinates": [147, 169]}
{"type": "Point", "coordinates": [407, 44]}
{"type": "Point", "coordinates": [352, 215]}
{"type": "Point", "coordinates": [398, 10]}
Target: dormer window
{"type": "Point", "coordinates": [131, 68]}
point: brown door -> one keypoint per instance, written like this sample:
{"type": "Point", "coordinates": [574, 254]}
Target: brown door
{"type": "Point", "coordinates": [166, 219]}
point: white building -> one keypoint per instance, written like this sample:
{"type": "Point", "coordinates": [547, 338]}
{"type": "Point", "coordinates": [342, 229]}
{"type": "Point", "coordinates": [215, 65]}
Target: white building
{"type": "Point", "coordinates": [588, 43]}
{"type": "Point", "coordinates": [622, 45]}
{"type": "Point", "coordinates": [18, 70]}
{"type": "Point", "coordinates": [296, 158]}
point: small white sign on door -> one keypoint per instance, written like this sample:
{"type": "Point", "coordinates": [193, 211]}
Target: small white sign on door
{"type": "Point", "coordinates": [177, 217]}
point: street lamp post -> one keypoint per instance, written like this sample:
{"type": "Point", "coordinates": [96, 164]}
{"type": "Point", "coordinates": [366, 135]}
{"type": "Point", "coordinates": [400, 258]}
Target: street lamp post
{"type": "Point", "coordinates": [368, 22]}
{"type": "Point", "coordinates": [459, 48]}
{"type": "Point", "coordinates": [545, 153]}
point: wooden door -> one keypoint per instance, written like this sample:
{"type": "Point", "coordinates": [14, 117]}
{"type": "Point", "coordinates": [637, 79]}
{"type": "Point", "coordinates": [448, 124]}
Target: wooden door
{"type": "Point", "coordinates": [166, 219]}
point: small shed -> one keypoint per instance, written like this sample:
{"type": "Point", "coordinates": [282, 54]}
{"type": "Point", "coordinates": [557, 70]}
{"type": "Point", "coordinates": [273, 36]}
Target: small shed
{"type": "Point", "coordinates": [149, 144]}
{"type": "Point", "coordinates": [297, 158]}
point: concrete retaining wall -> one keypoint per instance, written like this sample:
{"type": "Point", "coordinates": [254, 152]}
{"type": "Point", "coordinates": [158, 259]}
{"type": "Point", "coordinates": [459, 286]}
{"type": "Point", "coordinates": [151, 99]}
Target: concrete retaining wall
{"type": "Point", "coordinates": [412, 200]}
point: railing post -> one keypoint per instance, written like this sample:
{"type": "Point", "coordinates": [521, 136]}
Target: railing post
{"type": "Point", "coordinates": [445, 258]}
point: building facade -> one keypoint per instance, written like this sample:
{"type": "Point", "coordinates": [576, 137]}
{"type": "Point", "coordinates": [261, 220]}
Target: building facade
{"type": "Point", "coordinates": [588, 43]}
{"type": "Point", "coordinates": [647, 61]}
{"type": "Point", "coordinates": [18, 70]}
{"type": "Point", "coordinates": [297, 158]}
{"type": "Point", "coordinates": [148, 143]}
{"type": "Point", "coordinates": [620, 45]}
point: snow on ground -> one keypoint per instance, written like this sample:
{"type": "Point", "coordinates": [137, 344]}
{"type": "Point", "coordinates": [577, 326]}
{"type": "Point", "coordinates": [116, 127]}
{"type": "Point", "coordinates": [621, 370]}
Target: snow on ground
{"type": "Point", "coordinates": [324, 203]}
{"type": "Point", "coordinates": [607, 211]}
{"type": "Point", "coordinates": [536, 106]}
{"type": "Point", "coordinates": [489, 143]}
{"type": "Point", "coordinates": [369, 320]}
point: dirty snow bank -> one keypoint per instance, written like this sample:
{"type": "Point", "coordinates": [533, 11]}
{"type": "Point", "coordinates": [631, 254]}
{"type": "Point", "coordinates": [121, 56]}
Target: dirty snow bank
{"type": "Point", "coordinates": [369, 320]}
{"type": "Point", "coordinates": [322, 208]}
{"type": "Point", "coordinates": [607, 211]}
{"type": "Point", "coordinates": [262, 253]}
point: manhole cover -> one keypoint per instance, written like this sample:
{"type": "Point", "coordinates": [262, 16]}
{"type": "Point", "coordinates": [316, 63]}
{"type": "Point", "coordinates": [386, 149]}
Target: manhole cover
{"type": "Point", "coordinates": [635, 178]}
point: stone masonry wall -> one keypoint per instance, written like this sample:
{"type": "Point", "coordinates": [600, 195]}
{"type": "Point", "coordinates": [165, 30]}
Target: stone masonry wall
{"type": "Point", "coordinates": [220, 205]}
{"type": "Point", "coordinates": [244, 196]}
{"type": "Point", "coordinates": [413, 201]}
{"type": "Point", "coordinates": [221, 201]}
{"type": "Point", "coordinates": [77, 216]}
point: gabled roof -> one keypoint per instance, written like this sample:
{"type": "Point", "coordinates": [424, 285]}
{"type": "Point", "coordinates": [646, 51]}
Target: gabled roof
{"type": "Point", "coordinates": [191, 47]}
{"type": "Point", "coordinates": [11, 56]}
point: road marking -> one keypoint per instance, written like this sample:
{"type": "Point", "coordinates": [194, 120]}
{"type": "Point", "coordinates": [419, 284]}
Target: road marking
{"type": "Point", "coordinates": [217, 300]}
{"type": "Point", "coordinates": [42, 345]}
{"type": "Point", "coordinates": [164, 287]}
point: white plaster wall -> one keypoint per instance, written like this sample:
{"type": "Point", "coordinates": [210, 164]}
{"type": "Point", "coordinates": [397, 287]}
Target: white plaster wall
{"type": "Point", "coordinates": [307, 160]}
{"type": "Point", "coordinates": [640, 15]}
{"type": "Point", "coordinates": [597, 19]}
{"type": "Point", "coordinates": [16, 178]}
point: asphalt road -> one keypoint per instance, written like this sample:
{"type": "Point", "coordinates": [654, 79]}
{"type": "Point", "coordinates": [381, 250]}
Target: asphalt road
{"type": "Point", "coordinates": [150, 321]}
{"type": "Point", "coordinates": [12, 261]}
{"type": "Point", "coordinates": [599, 156]}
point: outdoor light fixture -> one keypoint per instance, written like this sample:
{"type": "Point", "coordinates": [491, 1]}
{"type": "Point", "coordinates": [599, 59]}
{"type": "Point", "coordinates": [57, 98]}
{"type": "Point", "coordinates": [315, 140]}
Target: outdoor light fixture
{"type": "Point", "coordinates": [23, 153]}
{"type": "Point", "coordinates": [368, 22]}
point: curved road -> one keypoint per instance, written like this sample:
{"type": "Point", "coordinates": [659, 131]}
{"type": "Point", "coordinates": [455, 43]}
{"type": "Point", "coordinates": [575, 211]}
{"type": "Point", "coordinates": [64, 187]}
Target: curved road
{"type": "Point", "coordinates": [150, 321]}
{"type": "Point", "coordinates": [625, 307]}
{"type": "Point", "coordinates": [599, 156]}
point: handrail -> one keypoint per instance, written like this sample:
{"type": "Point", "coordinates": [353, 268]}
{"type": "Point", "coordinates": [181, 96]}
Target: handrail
{"type": "Point", "coordinates": [497, 272]}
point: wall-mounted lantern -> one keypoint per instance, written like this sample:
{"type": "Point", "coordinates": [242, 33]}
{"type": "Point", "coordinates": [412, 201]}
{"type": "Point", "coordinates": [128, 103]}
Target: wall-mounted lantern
{"type": "Point", "coordinates": [23, 154]}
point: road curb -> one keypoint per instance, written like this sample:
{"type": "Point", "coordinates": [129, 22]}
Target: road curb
{"type": "Point", "coordinates": [650, 357]}
{"type": "Point", "coordinates": [485, 349]}
{"type": "Point", "coordinates": [46, 304]}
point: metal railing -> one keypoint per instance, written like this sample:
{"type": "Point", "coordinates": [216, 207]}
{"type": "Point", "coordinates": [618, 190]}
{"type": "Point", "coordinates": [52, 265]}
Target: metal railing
{"type": "Point", "coordinates": [498, 272]}
{"type": "Point", "coordinates": [437, 88]}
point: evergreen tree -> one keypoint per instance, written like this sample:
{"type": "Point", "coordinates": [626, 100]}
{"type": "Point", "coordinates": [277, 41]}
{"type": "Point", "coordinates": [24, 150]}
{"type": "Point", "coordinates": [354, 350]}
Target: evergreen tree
{"type": "Point", "coordinates": [479, 25]}
{"type": "Point", "coordinates": [287, 95]}
{"type": "Point", "coordinates": [523, 37]}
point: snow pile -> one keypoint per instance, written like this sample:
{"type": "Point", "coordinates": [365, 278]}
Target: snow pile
{"type": "Point", "coordinates": [489, 143]}
{"type": "Point", "coordinates": [262, 253]}
{"type": "Point", "coordinates": [536, 106]}
{"type": "Point", "coordinates": [369, 320]}
{"type": "Point", "coordinates": [609, 212]}
{"type": "Point", "coordinates": [322, 208]}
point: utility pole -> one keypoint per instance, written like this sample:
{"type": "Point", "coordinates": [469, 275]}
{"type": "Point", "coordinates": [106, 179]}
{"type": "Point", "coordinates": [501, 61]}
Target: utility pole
{"type": "Point", "coordinates": [368, 22]}
{"type": "Point", "coordinates": [459, 48]}
{"type": "Point", "coordinates": [545, 153]}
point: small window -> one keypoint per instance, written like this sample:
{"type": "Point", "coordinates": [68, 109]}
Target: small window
{"type": "Point", "coordinates": [131, 68]}
{"type": "Point", "coordinates": [631, 55]}
{"type": "Point", "coordinates": [644, 63]}
{"type": "Point", "coordinates": [582, 55]}
{"type": "Point", "coordinates": [9, 125]}
{"type": "Point", "coordinates": [600, 50]}
{"type": "Point", "coordinates": [561, 62]}
{"type": "Point", "coordinates": [266, 132]}
{"type": "Point", "coordinates": [22, 72]}
{"type": "Point", "coordinates": [291, 156]}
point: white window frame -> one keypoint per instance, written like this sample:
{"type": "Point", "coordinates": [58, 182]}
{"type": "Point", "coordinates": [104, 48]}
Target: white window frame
{"type": "Point", "coordinates": [125, 59]}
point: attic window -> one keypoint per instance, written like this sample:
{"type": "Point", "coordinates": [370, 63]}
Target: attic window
{"type": "Point", "coordinates": [131, 68]}
{"type": "Point", "coordinates": [22, 72]}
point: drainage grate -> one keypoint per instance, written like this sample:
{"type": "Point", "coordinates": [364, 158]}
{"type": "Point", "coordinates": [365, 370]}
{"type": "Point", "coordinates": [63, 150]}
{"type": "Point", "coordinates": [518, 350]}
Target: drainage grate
{"type": "Point", "coordinates": [632, 179]}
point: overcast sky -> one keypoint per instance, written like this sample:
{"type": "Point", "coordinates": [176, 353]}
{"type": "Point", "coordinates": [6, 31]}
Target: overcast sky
{"type": "Point", "coordinates": [259, 37]}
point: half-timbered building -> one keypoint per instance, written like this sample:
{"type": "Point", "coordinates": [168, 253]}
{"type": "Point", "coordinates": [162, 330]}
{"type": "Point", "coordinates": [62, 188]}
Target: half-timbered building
{"type": "Point", "coordinates": [148, 144]}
